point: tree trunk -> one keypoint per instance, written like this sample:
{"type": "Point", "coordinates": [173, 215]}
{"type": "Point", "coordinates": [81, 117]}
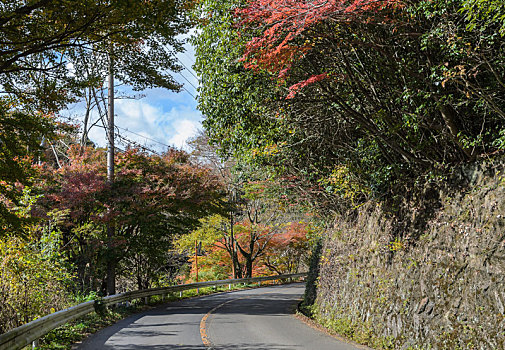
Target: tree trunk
{"type": "Point", "coordinates": [111, 277]}
{"type": "Point", "coordinates": [248, 267]}
{"type": "Point", "coordinates": [450, 120]}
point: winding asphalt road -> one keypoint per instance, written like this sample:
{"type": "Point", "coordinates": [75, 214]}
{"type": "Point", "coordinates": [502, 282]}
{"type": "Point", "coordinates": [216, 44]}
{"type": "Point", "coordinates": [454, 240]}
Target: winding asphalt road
{"type": "Point", "coordinates": [260, 319]}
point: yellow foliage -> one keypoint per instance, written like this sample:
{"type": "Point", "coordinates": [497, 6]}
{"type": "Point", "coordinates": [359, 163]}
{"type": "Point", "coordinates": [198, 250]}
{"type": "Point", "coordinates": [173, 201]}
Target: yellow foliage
{"type": "Point", "coordinates": [31, 282]}
{"type": "Point", "coordinates": [342, 182]}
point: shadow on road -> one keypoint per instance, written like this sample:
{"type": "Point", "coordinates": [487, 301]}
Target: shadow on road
{"type": "Point", "coordinates": [179, 322]}
{"type": "Point", "coordinates": [242, 346]}
{"type": "Point", "coordinates": [256, 346]}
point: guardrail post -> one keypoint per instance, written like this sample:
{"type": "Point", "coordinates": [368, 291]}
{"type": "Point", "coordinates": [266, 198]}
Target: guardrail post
{"type": "Point", "coordinates": [146, 300]}
{"type": "Point", "coordinates": [229, 286]}
{"type": "Point", "coordinates": [180, 294]}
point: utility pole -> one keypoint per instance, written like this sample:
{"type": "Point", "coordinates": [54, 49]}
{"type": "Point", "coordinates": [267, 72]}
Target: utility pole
{"type": "Point", "coordinates": [110, 122]}
{"type": "Point", "coordinates": [111, 265]}
{"type": "Point", "coordinates": [233, 247]}
{"type": "Point", "coordinates": [196, 263]}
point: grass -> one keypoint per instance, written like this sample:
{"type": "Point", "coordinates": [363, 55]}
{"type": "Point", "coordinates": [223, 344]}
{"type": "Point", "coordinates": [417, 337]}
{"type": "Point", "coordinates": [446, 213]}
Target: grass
{"type": "Point", "coordinates": [343, 327]}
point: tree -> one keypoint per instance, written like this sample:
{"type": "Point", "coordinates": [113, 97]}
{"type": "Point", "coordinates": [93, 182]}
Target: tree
{"type": "Point", "coordinates": [157, 198]}
{"type": "Point", "coordinates": [256, 237]}
{"type": "Point", "coordinates": [277, 47]}
{"type": "Point", "coordinates": [33, 271]}
{"type": "Point", "coordinates": [213, 234]}
{"type": "Point", "coordinates": [51, 51]}
{"type": "Point", "coordinates": [207, 153]}
{"type": "Point", "coordinates": [32, 278]}
{"type": "Point", "coordinates": [50, 42]}
{"type": "Point", "coordinates": [365, 97]}
{"type": "Point", "coordinates": [288, 250]}
{"type": "Point", "coordinates": [20, 142]}
{"type": "Point", "coordinates": [278, 250]}
{"type": "Point", "coordinates": [153, 199]}
{"type": "Point", "coordinates": [229, 95]}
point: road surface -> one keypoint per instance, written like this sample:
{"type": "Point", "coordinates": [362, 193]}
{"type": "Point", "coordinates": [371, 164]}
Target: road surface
{"type": "Point", "coordinates": [260, 319]}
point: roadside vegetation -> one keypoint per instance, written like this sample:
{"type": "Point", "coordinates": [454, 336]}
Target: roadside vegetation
{"type": "Point", "coordinates": [312, 109]}
{"type": "Point", "coordinates": [69, 234]}
{"type": "Point", "coordinates": [349, 101]}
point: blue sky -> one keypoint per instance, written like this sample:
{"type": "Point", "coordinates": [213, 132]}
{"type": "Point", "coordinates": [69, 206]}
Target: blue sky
{"type": "Point", "coordinates": [160, 118]}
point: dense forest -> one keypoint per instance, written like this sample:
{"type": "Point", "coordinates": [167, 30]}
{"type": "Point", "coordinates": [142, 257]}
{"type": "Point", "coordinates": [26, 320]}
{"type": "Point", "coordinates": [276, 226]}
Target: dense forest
{"type": "Point", "coordinates": [67, 232]}
{"type": "Point", "coordinates": [353, 100]}
{"type": "Point", "coordinates": [312, 109]}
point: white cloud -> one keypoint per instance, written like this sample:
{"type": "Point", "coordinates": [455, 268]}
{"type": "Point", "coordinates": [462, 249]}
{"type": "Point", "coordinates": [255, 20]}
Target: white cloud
{"type": "Point", "coordinates": [159, 119]}
{"type": "Point", "coordinates": [153, 127]}
{"type": "Point", "coordinates": [139, 116]}
{"type": "Point", "coordinates": [149, 124]}
{"type": "Point", "coordinates": [184, 130]}
{"type": "Point", "coordinates": [71, 68]}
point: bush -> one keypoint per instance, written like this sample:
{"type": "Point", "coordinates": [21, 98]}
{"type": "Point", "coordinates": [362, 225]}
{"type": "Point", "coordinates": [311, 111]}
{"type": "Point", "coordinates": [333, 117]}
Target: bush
{"type": "Point", "coordinates": [31, 281]}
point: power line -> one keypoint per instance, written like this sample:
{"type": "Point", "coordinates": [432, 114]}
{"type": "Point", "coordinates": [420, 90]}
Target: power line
{"type": "Point", "coordinates": [130, 142]}
{"type": "Point", "coordinates": [145, 137]}
{"type": "Point", "coordinates": [189, 70]}
{"type": "Point", "coordinates": [191, 59]}
{"type": "Point", "coordinates": [189, 93]}
{"type": "Point", "coordinates": [190, 83]}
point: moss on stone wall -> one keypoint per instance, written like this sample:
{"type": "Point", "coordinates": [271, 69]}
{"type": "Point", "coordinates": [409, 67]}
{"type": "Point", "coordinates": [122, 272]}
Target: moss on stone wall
{"type": "Point", "coordinates": [403, 283]}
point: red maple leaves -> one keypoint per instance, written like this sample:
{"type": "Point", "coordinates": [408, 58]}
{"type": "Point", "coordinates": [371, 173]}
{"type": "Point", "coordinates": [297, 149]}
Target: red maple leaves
{"type": "Point", "coordinates": [282, 25]}
{"type": "Point", "coordinates": [298, 86]}
{"type": "Point", "coordinates": [145, 185]}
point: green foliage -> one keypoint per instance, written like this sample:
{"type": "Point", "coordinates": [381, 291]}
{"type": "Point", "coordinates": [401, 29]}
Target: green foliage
{"type": "Point", "coordinates": [32, 278]}
{"type": "Point", "coordinates": [359, 331]}
{"type": "Point", "coordinates": [212, 229]}
{"type": "Point", "coordinates": [51, 49]}
{"type": "Point", "coordinates": [342, 182]}
{"type": "Point", "coordinates": [20, 142]}
{"type": "Point", "coordinates": [229, 96]}
{"type": "Point", "coordinates": [382, 96]}
{"type": "Point", "coordinates": [485, 14]}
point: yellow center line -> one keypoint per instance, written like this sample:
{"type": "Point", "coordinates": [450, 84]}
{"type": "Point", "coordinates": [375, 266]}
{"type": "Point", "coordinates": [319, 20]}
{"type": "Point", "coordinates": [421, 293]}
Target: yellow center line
{"type": "Point", "coordinates": [203, 323]}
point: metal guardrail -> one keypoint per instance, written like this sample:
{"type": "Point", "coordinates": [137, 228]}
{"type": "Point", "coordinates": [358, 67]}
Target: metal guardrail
{"type": "Point", "coordinates": [27, 333]}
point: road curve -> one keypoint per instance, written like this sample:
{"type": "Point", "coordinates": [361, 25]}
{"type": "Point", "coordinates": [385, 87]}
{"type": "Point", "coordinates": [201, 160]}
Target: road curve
{"type": "Point", "coordinates": [260, 319]}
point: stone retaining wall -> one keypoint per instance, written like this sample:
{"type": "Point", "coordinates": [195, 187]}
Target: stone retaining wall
{"type": "Point", "coordinates": [433, 285]}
